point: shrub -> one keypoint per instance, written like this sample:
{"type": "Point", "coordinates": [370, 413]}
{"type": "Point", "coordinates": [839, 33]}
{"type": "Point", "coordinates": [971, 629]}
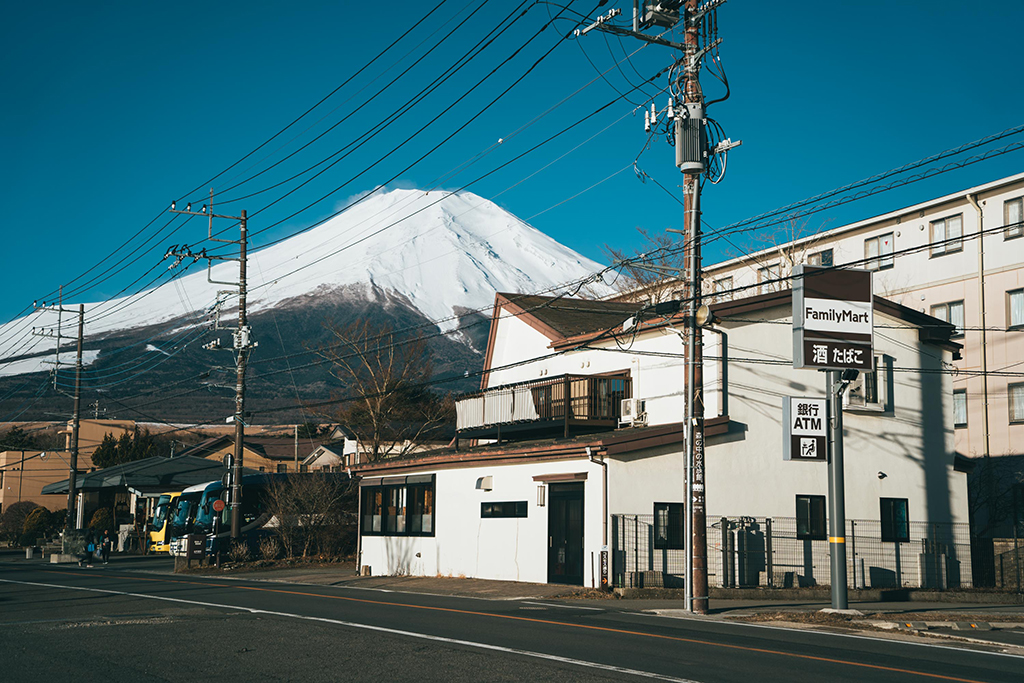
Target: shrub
{"type": "Point", "coordinates": [102, 519]}
{"type": "Point", "coordinates": [269, 548]}
{"type": "Point", "coordinates": [12, 521]}
{"type": "Point", "coordinates": [239, 552]}
{"type": "Point", "coordinates": [37, 524]}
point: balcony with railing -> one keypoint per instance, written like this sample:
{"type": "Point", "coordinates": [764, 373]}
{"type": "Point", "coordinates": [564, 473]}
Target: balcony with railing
{"type": "Point", "coordinates": [556, 406]}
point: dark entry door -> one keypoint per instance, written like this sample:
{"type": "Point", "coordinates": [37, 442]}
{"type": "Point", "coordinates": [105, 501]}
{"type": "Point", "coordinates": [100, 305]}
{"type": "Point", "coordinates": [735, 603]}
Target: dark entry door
{"type": "Point", "coordinates": [565, 534]}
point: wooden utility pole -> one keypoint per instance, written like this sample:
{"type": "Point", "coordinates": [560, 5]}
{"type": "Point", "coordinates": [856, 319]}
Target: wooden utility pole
{"type": "Point", "coordinates": [242, 340]}
{"type": "Point", "coordinates": [694, 99]}
{"type": "Point", "coordinates": [687, 120]}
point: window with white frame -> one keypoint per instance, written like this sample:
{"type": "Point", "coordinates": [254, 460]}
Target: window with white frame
{"type": "Point", "coordinates": [953, 313]}
{"type": "Point", "coordinates": [878, 252]}
{"type": "Point", "coordinates": [947, 235]}
{"type": "Point", "coordinates": [1015, 308]}
{"type": "Point", "coordinates": [868, 391]}
{"type": "Point", "coordinates": [1013, 218]}
{"type": "Point", "coordinates": [722, 289]}
{"type": "Point", "coordinates": [768, 279]}
{"type": "Point", "coordinates": [821, 258]}
{"type": "Point", "coordinates": [960, 408]}
{"type": "Point", "coordinates": [1015, 394]}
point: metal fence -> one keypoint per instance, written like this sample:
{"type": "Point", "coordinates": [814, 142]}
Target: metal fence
{"type": "Point", "coordinates": [766, 551]}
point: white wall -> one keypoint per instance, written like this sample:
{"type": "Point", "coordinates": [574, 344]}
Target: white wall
{"type": "Point", "coordinates": [911, 443]}
{"type": "Point", "coordinates": [464, 545]}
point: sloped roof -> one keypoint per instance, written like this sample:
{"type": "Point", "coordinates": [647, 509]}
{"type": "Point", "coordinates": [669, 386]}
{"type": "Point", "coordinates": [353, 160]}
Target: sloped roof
{"type": "Point", "coordinates": [151, 475]}
{"type": "Point", "coordinates": [566, 317]}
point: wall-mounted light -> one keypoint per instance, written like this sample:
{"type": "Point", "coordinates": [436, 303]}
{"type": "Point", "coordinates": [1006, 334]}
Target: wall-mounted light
{"type": "Point", "coordinates": [540, 495]}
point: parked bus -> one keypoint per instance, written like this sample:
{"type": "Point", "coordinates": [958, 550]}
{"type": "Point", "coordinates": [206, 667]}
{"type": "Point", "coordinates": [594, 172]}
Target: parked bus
{"type": "Point", "coordinates": [183, 514]}
{"type": "Point", "coordinates": [254, 515]}
{"type": "Point", "coordinates": [159, 542]}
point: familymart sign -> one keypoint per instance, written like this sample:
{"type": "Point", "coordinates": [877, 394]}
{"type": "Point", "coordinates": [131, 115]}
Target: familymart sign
{"type": "Point", "coordinates": [833, 319]}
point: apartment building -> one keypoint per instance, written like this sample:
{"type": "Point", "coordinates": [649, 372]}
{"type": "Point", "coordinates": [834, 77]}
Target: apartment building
{"type": "Point", "coordinates": [959, 258]}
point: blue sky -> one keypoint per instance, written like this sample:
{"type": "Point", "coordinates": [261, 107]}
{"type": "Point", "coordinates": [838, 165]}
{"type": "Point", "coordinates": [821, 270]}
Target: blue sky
{"type": "Point", "coordinates": [113, 110]}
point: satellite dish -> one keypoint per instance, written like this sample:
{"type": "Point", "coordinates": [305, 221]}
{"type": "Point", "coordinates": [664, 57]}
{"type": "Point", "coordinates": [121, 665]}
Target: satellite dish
{"type": "Point", "coordinates": [42, 456]}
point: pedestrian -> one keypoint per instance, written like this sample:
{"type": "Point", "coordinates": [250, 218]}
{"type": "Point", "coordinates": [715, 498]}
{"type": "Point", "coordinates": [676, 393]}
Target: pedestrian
{"type": "Point", "coordinates": [88, 550]}
{"type": "Point", "coordinates": [105, 543]}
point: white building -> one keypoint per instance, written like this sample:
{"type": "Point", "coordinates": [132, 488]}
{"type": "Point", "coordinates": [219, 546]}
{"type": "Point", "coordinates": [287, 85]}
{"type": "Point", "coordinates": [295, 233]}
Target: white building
{"type": "Point", "coordinates": [553, 487]}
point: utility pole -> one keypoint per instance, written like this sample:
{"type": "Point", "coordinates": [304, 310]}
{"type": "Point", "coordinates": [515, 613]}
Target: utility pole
{"type": "Point", "coordinates": [837, 491]}
{"type": "Point", "coordinates": [687, 121]}
{"type": "Point", "coordinates": [70, 520]}
{"type": "Point", "coordinates": [242, 339]}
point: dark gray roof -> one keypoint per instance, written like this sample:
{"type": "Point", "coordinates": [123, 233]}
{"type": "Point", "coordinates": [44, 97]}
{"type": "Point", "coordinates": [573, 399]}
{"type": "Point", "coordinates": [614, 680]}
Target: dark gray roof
{"type": "Point", "coordinates": [151, 475]}
{"type": "Point", "coordinates": [571, 317]}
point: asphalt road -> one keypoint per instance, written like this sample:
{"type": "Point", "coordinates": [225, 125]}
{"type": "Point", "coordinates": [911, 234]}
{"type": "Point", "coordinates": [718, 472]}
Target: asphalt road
{"type": "Point", "coordinates": [62, 623]}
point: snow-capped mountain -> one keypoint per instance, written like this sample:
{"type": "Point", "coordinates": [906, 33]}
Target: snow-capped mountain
{"type": "Point", "coordinates": [410, 256]}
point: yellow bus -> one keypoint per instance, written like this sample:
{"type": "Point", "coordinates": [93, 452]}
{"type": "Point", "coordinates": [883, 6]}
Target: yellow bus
{"type": "Point", "coordinates": [159, 541]}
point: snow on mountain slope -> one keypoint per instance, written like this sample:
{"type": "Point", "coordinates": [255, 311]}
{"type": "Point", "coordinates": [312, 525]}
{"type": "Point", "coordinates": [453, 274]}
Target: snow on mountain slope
{"type": "Point", "coordinates": [440, 256]}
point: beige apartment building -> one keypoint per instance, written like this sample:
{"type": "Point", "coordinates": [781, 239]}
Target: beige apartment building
{"type": "Point", "coordinates": [930, 257]}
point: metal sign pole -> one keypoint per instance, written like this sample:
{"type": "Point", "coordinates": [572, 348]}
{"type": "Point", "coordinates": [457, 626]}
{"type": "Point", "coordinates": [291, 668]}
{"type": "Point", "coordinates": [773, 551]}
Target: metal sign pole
{"type": "Point", "coordinates": [836, 493]}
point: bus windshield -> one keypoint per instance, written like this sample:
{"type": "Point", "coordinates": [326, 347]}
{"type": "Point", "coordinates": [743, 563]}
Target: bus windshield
{"type": "Point", "coordinates": [160, 513]}
{"type": "Point", "coordinates": [184, 513]}
{"type": "Point", "coordinates": [205, 514]}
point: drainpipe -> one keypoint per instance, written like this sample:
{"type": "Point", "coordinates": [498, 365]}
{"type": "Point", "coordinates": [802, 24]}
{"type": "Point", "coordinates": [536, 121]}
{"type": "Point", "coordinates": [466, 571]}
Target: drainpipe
{"type": "Point", "coordinates": [723, 370]}
{"type": "Point", "coordinates": [604, 498]}
{"type": "Point", "coordinates": [973, 199]}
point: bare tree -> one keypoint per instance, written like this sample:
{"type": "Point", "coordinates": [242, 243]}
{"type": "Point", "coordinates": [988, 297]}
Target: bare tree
{"type": "Point", "coordinates": [314, 513]}
{"type": "Point", "coordinates": [653, 272]}
{"type": "Point", "coordinates": [386, 403]}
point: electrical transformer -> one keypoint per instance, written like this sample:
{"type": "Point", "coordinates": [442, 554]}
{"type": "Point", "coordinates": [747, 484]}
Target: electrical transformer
{"type": "Point", "coordinates": [691, 139]}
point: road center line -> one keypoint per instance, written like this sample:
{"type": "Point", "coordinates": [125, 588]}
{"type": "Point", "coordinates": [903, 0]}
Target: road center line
{"type": "Point", "coordinates": [379, 629]}
{"type": "Point", "coordinates": [606, 629]}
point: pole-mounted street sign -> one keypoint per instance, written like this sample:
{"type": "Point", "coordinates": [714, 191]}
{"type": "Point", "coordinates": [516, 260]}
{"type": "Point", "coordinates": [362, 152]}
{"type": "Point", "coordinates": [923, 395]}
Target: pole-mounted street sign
{"type": "Point", "coordinates": [805, 435]}
{"type": "Point", "coordinates": [833, 319]}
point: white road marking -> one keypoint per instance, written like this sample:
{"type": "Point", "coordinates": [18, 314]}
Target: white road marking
{"type": "Point", "coordinates": [379, 629]}
{"type": "Point", "coordinates": [548, 604]}
{"type": "Point", "coordinates": [838, 635]}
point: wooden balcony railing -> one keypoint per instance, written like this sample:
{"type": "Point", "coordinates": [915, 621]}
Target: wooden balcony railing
{"type": "Point", "coordinates": [572, 401]}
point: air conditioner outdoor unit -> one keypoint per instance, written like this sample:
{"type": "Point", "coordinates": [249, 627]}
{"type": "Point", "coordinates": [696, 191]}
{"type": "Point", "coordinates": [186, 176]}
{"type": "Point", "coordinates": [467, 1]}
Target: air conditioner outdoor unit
{"type": "Point", "coordinates": [632, 411]}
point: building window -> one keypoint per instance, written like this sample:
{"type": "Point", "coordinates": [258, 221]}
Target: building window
{"type": "Point", "coordinates": [953, 313]}
{"type": "Point", "coordinates": [810, 518]}
{"type": "Point", "coordinates": [895, 525]}
{"type": "Point", "coordinates": [399, 509]}
{"type": "Point", "coordinates": [1015, 393]}
{"type": "Point", "coordinates": [282, 468]}
{"type": "Point", "coordinates": [1015, 308]}
{"type": "Point", "coordinates": [303, 468]}
{"type": "Point", "coordinates": [768, 279]}
{"type": "Point", "coordinates": [263, 469]}
{"type": "Point", "coordinates": [1013, 218]}
{"type": "Point", "coordinates": [878, 252]}
{"type": "Point", "coordinates": [947, 235]}
{"type": "Point", "coordinates": [822, 258]}
{"type": "Point", "coordinates": [869, 390]}
{"type": "Point", "coordinates": [669, 527]}
{"type": "Point", "coordinates": [721, 289]}
{"type": "Point", "coordinates": [516, 508]}
{"type": "Point", "coordinates": [960, 408]}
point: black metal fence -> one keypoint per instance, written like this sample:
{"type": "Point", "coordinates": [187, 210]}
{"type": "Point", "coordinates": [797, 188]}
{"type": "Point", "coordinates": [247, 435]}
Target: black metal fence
{"type": "Point", "coordinates": [766, 551]}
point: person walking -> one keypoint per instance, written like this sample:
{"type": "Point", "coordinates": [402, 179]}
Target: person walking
{"type": "Point", "coordinates": [88, 550]}
{"type": "Point", "coordinates": [105, 544]}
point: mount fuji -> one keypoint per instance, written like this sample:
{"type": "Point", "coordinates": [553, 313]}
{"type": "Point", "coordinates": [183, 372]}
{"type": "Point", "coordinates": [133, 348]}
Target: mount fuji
{"type": "Point", "coordinates": [408, 258]}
